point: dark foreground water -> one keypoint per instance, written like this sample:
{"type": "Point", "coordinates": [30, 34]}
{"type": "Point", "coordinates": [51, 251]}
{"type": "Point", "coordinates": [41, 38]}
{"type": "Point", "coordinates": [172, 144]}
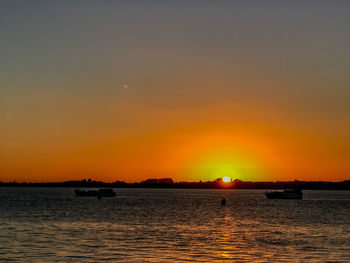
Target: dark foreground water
{"type": "Point", "coordinates": [164, 225]}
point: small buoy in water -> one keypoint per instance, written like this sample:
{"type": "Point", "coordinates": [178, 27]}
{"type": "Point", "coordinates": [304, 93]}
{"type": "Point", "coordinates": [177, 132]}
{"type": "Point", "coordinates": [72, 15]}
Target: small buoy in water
{"type": "Point", "coordinates": [223, 201]}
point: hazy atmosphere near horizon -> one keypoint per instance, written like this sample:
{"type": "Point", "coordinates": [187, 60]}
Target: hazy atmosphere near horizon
{"type": "Point", "coordinates": [192, 90]}
{"type": "Point", "coordinates": [125, 124]}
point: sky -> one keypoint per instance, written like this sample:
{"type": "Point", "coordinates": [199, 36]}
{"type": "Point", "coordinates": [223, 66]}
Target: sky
{"type": "Point", "coordinates": [193, 90]}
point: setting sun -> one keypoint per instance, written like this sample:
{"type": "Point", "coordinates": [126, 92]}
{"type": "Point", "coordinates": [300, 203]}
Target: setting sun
{"type": "Point", "coordinates": [226, 179]}
{"type": "Point", "coordinates": [201, 124]}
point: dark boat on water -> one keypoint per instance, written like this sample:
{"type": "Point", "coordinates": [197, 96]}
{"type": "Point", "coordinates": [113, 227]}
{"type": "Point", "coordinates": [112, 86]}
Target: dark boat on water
{"type": "Point", "coordinates": [95, 193]}
{"type": "Point", "coordinates": [286, 194]}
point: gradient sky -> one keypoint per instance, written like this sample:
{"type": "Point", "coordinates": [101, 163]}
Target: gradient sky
{"type": "Point", "coordinates": [193, 90]}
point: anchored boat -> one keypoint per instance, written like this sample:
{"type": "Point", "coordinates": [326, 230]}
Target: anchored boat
{"type": "Point", "coordinates": [286, 194]}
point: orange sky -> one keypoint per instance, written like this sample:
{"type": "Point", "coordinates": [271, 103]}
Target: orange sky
{"type": "Point", "coordinates": [184, 151]}
{"type": "Point", "coordinates": [193, 91]}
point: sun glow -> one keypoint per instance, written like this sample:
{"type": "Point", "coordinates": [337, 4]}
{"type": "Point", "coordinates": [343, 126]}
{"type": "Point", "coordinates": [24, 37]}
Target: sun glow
{"type": "Point", "coordinates": [226, 179]}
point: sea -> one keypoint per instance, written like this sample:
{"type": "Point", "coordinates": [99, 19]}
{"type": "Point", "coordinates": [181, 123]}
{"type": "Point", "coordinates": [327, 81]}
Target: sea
{"type": "Point", "coordinates": [172, 225]}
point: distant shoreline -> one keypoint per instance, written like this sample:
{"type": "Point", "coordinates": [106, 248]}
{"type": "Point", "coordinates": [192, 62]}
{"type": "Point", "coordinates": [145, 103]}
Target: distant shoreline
{"type": "Point", "coordinates": [217, 184]}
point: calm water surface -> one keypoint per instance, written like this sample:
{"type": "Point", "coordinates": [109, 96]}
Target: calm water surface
{"type": "Point", "coordinates": [165, 225]}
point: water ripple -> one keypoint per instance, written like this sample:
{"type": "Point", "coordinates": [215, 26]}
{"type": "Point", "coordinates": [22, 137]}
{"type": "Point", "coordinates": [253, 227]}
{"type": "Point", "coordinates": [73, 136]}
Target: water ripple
{"type": "Point", "coordinates": [164, 225]}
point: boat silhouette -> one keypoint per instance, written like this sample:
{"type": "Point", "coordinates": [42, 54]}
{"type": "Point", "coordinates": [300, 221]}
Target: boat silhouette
{"type": "Point", "coordinates": [285, 194]}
